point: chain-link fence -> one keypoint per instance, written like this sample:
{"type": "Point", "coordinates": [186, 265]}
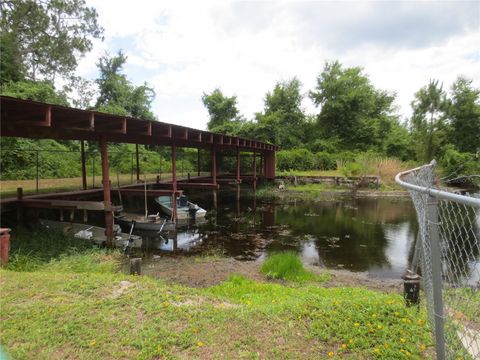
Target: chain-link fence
{"type": "Point", "coordinates": [449, 226]}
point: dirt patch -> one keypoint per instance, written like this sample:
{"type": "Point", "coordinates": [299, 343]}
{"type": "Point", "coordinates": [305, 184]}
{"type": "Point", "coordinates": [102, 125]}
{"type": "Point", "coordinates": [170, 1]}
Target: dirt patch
{"type": "Point", "coordinates": [200, 272]}
{"type": "Point", "coordinates": [122, 288]}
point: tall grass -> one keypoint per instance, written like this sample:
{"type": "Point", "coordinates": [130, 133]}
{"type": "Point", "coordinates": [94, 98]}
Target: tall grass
{"type": "Point", "coordinates": [286, 266]}
{"type": "Point", "coordinates": [45, 249]}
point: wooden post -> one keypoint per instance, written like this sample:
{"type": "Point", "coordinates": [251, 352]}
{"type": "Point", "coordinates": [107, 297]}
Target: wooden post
{"type": "Point", "coordinates": [214, 165]}
{"type": "Point", "coordinates": [138, 163]}
{"type": "Point", "coordinates": [254, 171]}
{"type": "Point", "coordinates": [136, 266]}
{"type": "Point", "coordinates": [19, 207]}
{"type": "Point", "coordinates": [84, 170]}
{"type": "Point", "coordinates": [174, 183]}
{"type": "Point", "coordinates": [37, 164]}
{"type": "Point", "coordinates": [238, 165]}
{"type": "Point", "coordinates": [198, 162]}
{"type": "Point", "coordinates": [106, 192]}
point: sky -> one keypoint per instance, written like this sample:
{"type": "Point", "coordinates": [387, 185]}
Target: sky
{"type": "Point", "coordinates": [184, 49]}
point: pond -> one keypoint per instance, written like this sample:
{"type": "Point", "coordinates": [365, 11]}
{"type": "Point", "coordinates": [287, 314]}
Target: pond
{"type": "Point", "coordinates": [374, 235]}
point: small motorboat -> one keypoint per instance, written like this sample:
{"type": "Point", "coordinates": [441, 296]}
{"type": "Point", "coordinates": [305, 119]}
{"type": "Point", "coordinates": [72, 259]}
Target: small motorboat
{"type": "Point", "coordinates": [152, 222]}
{"type": "Point", "coordinates": [185, 208]}
{"type": "Point", "coordinates": [94, 233]}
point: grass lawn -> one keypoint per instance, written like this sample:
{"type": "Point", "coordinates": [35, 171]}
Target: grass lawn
{"type": "Point", "coordinates": [79, 306]}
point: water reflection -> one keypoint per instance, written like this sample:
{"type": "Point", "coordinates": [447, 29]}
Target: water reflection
{"type": "Point", "coordinates": [378, 236]}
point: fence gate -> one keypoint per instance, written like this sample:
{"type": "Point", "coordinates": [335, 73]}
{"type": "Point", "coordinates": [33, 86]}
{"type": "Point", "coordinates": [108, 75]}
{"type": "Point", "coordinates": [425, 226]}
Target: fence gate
{"type": "Point", "coordinates": [449, 226]}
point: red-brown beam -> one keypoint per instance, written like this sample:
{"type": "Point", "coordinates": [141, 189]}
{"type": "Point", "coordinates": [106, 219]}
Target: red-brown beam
{"type": "Point", "coordinates": [214, 165]}
{"type": "Point", "coordinates": [106, 191]}
{"type": "Point", "coordinates": [238, 164]}
{"type": "Point", "coordinates": [254, 171]}
{"type": "Point", "coordinates": [174, 182]}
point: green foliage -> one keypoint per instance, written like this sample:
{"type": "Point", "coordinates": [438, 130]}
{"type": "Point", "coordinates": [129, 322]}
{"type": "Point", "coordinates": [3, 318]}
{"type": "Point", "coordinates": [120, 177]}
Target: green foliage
{"type": "Point", "coordinates": [325, 161]}
{"type": "Point", "coordinates": [283, 121]}
{"type": "Point", "coordinates": [298, 159]}
{"type": "Point", "coordinates": [118, 95]}
{"type": "Point", "coordinates": [32, 249]}
{"type": "Point", "coordinates": [429, 121]}
{"type": "Point", "coordinates": [42, 91]}
{"type": "Point", "coordinates": [11, 67]}
{"type": "Point", "coordinates": [352, 110]}
{"type": "Point", "coordinates": [286, 266]}
{"type": "Point", "coordinates": [458, 167]}
{"type": "Point", "coordinates": [465, 116]}
{"type": "Point", "coordinates": [351, 169]}
{"type": "Point", "coordinates": [46, 38]}
{"type": "Point", "coordinates": [222, 109]}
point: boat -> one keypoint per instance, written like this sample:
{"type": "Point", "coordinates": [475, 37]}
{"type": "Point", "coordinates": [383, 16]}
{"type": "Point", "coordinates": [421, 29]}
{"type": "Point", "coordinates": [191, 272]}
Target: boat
{"type": "Point", "coordinates": [149, 223]}
{"type": "Point", "coordinates": [93, 233]}
{"type": "Point", "coordinates": [185, 208]}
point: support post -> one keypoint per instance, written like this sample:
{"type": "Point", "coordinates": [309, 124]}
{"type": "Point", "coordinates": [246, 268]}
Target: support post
{"type": "Point", "coordinates": [84, 170]}
{"type": "Point", "coordinates": [138, 163]}
{"type": "Point", "coordinates": [19, 207]}
{"type": "Point", "coordinates": [36, 161]}
{"type": "Point", "coordinates": [198, 162]}
{"type": "Point", "coordinates": [106, 192]}
{"type": "Point", "coordinates": [131, 169]}
{"type": "Point", "coordinates": [214, 165]}
{"type": "Point", "coordinates": [238, 165]}
{"type": "Point", "coordinates": [93, 171]}
{"type": "Point", "coordinates": [174, 183]}
{"type": "Point", "coordinates": [254, 171]}
{"type": "Point", "coordinates": [436, 258]}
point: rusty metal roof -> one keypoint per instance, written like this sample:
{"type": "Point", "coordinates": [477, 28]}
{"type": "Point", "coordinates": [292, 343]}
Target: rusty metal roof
{"type": "Point", "coordinates": [36, 120]}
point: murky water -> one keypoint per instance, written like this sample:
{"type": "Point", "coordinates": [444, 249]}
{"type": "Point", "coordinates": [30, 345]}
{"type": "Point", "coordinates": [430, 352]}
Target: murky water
{"type": "Point", "coordinates": [365, 234]}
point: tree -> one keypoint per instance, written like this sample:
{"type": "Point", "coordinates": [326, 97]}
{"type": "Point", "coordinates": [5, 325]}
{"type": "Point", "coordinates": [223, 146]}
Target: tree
{"type": "Point", "coordinates": [46, 37]}
{"type": "Point", "coordinates": [429, 120]}
{"type": "Point", "coordinates": [465, 116]}
{"type": "Point", "coordinates": [283, 119]}
{"type": "Point", "coordinates": [117, 94]}
{"type": "Point", "coordinates": [222, 109]}
{"type": "Point", "coordinates": [352, 110]}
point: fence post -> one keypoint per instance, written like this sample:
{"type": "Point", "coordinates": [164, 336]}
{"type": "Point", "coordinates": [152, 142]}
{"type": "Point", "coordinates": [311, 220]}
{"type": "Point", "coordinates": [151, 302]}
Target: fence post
{"type": "Point", "coordinates": [93, 171]}
{"type": "Point", "coordinates": [36, 161]}
{"type": "Point", "coordinates": [434, 240]}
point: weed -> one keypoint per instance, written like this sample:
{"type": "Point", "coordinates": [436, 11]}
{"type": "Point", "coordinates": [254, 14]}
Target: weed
{"type": "Point", "coordinates": [286, 266]}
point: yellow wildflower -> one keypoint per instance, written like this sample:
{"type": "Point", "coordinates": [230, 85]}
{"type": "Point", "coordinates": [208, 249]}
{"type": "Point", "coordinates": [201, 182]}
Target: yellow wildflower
{"type": "Point", "coordinates": [356, 324]}
{"type": "Point", "coordinates": [379, 327]}
{"type": "Point", "coordinates": [200, 344]}
{"type": "Point", "coordinates": [403, 341]}
{"type": "Point", "coordinates": [330, 354]}
{"type": "Point", "coordinates": [344, 346]}
{"type": "Point", "coordinates": [93, 343]}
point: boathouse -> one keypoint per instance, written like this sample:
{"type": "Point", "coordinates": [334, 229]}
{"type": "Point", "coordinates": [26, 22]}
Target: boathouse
{"type": "Point", "coordinates": [36, 120]}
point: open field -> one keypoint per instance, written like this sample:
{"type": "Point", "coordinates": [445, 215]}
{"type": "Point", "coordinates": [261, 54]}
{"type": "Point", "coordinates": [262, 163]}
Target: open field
{"type": "Point", "coordinates": [9, 187]}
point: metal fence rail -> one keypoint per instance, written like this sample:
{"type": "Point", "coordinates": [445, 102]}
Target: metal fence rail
{"type": "Point", "coordinates": [449, 226]}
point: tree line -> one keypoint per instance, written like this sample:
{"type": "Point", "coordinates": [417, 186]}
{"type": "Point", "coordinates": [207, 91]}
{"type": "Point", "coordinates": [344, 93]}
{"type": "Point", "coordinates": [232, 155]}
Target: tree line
{"type": "Point", "coordinates": [41, 42]}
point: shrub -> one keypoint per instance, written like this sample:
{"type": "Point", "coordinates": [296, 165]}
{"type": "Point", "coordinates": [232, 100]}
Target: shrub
{"type": "Point", "coordinates": [286, 266]}
{"type": "Point", "coordinates": [458, 166]}
{"type": "Point", "coordinates": [325, 161]}
{"type": "Point", "coordinates": [295, 159]}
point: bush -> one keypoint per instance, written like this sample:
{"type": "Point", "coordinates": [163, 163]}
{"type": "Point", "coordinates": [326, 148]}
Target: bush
{"type": "Point", "coordinates": [325, 161]}
{"type": "Point", "coordinates": [286, 266]}
{"type": "Point", "coordinates": [295, 159]}
{"type": "Point", "coordinates": [457, 167]}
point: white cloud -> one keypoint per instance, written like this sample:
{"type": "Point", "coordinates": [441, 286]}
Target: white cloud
{"type": "Point", "coordinates": [187, 48]}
